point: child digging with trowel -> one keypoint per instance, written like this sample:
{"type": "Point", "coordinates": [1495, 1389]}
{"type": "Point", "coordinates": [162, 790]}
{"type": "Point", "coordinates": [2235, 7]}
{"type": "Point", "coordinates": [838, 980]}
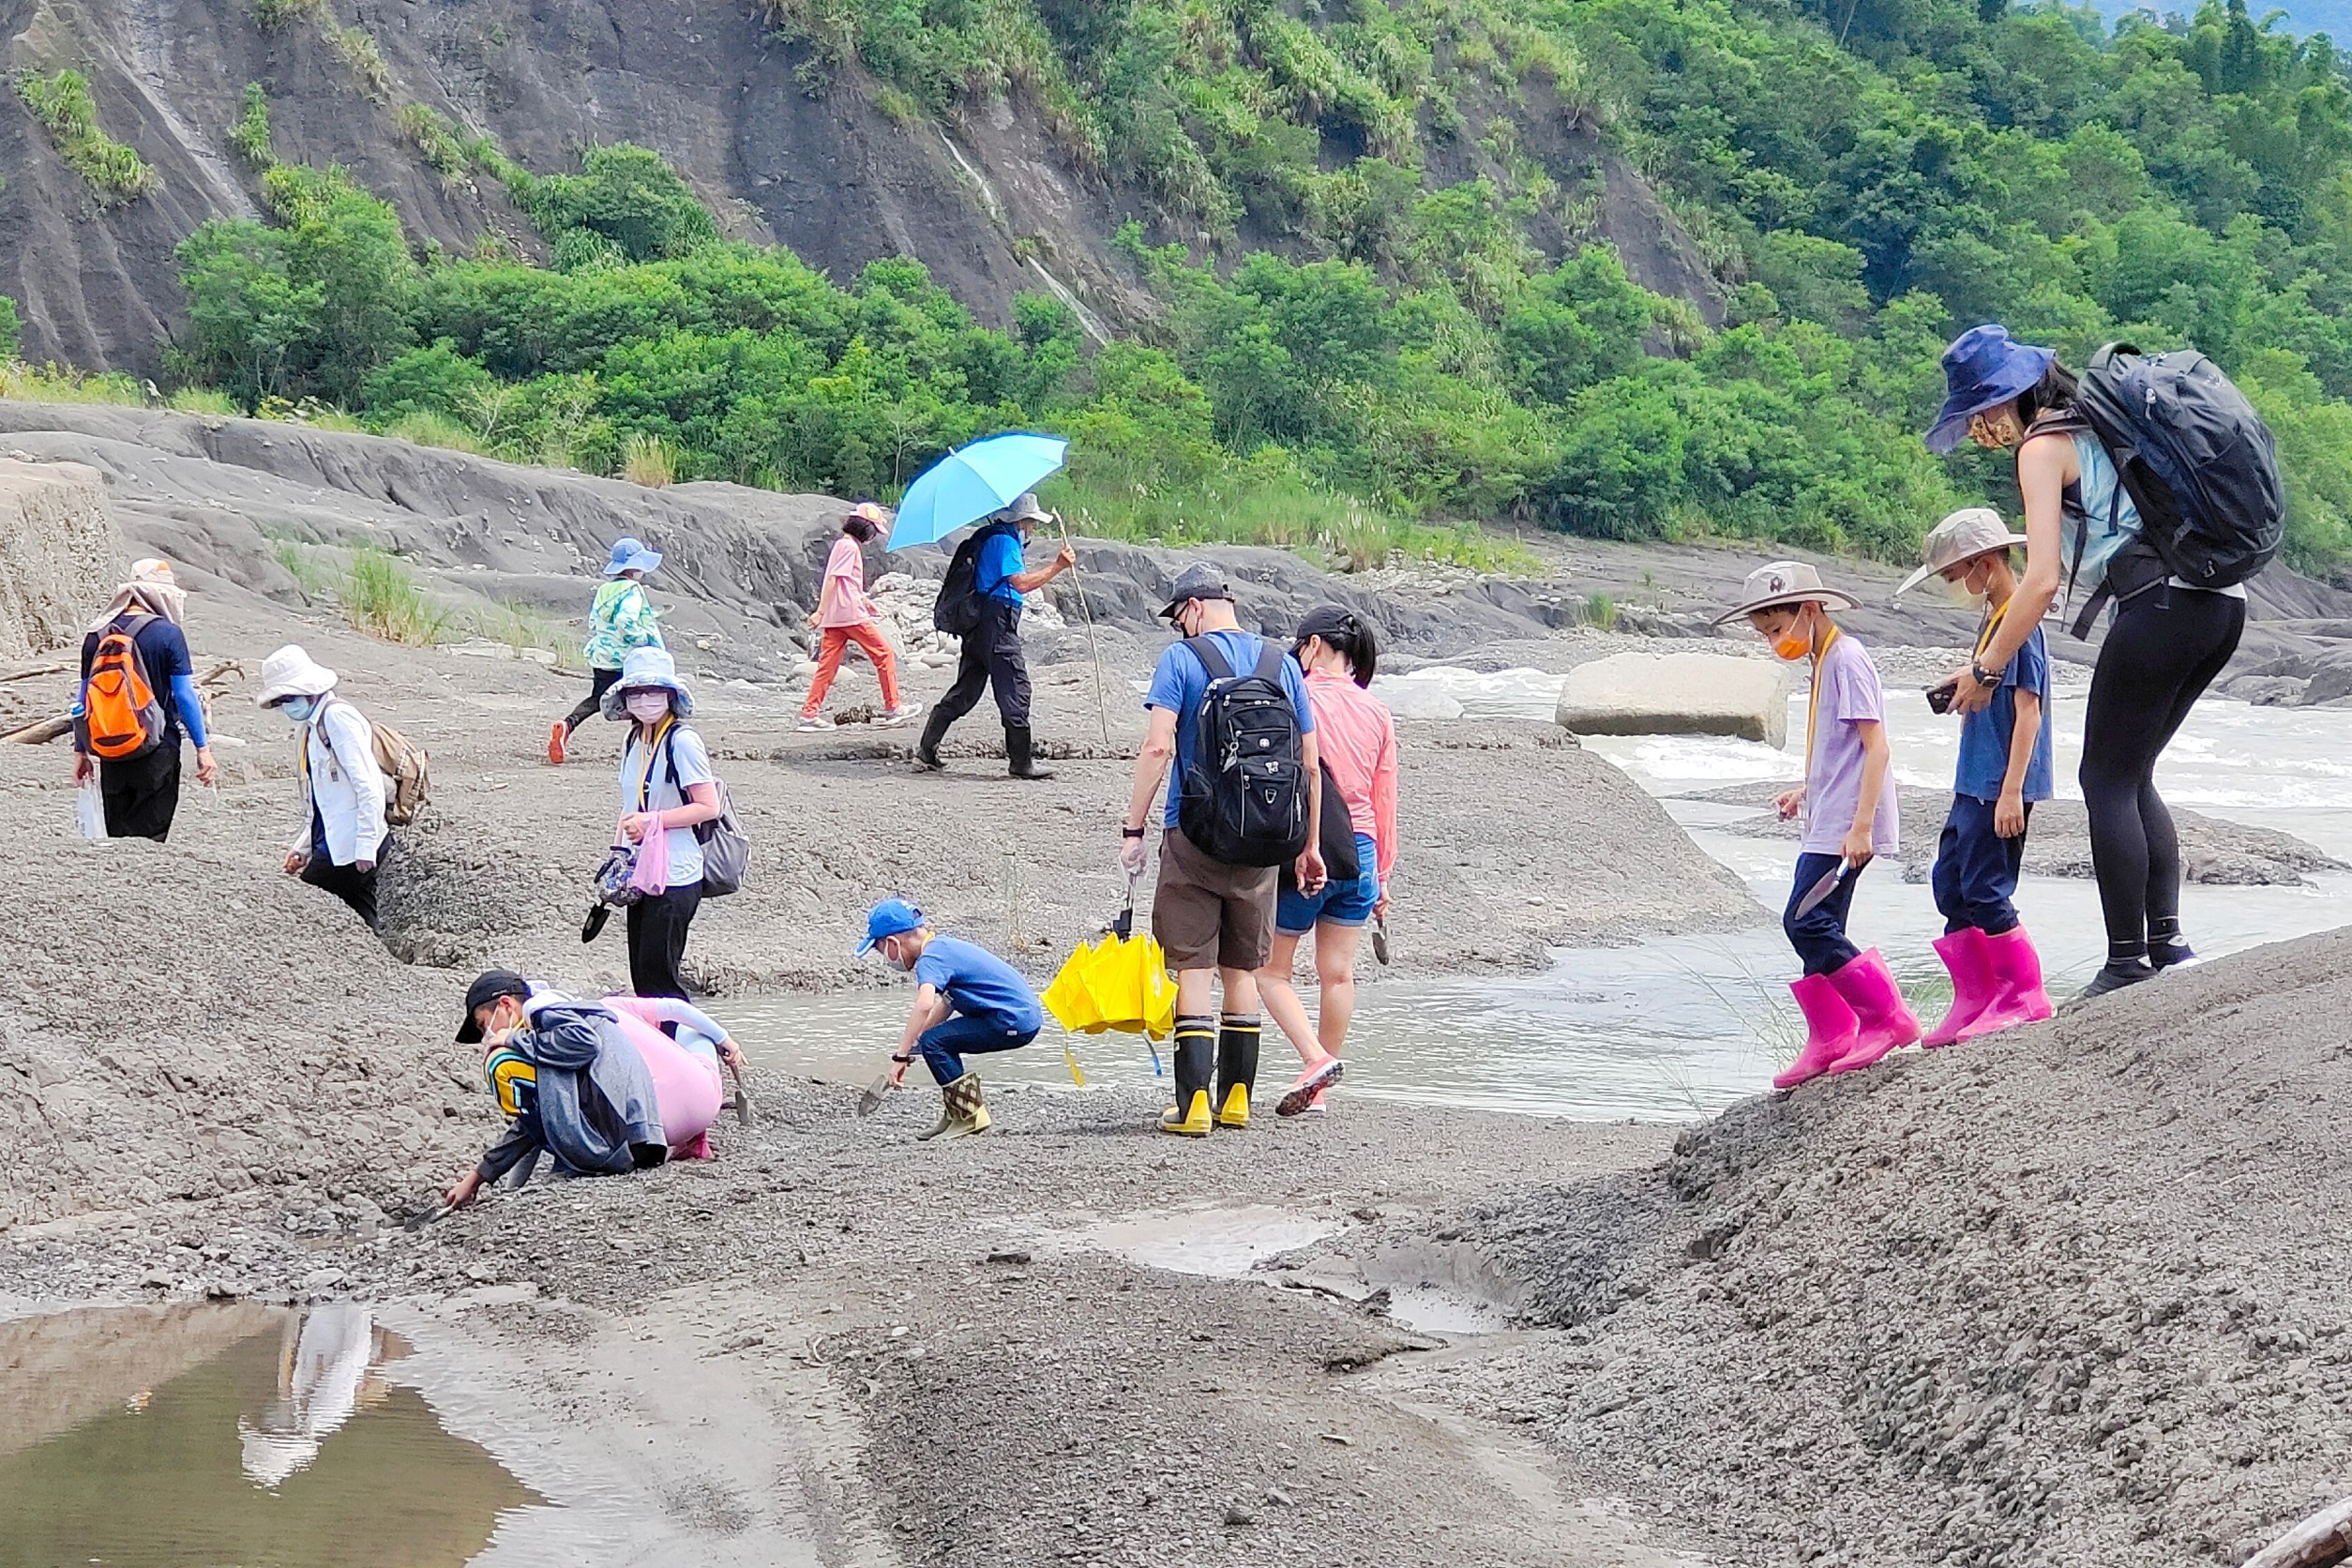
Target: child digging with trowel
{"type": "Point", "coordinates": [2004, 767]}
{"type": "Point", "coordinates": [1854, 1012]}
{"type": "Point", "coordinates": [968, 1000]}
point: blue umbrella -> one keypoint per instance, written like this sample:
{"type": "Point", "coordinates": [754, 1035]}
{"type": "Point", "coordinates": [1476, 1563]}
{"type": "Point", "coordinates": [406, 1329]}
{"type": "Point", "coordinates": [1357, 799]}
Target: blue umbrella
{"type": "Point", "coordinates": [966, 486]}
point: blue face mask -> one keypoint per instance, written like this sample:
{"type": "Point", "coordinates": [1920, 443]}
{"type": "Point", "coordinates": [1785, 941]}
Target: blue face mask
{"type": "Point", "coordinates": [299, 709]}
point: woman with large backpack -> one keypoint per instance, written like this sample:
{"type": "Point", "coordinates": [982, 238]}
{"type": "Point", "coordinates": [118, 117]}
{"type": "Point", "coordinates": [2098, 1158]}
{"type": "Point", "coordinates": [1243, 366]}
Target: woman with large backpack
{"type": "Point", "coordinates": [137, 696]}
{"type": "Point", "coordinates": [2085, 531]}
{"type": "Point", "coordinates": [668, 790]}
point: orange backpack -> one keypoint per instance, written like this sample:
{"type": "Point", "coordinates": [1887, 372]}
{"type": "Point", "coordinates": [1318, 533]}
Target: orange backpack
{"type": "Point", "coordinates": [120, 717]}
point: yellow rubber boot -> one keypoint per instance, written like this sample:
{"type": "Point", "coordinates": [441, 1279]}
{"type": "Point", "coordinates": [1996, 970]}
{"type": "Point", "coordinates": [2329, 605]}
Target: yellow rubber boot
{"type": "Point", "coordinates": [1195, 1053]}
{"type": "Point", "coordinates": [1237, 1069]}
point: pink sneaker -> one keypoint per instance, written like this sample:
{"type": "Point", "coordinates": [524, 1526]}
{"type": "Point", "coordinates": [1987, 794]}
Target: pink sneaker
{"type": "Point", "coordinates": [1830, 1030]}
{"type": "Point", "coordinates": [1971, 970]}
{"type": "Point", "coordinates": [1306, 1091]}
{"type": "Point", "coordinates": [1884, 1021]}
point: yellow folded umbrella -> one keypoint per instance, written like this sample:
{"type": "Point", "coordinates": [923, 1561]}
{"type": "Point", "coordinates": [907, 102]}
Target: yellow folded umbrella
{"type": "Point", "coordinates": [1118, 982]}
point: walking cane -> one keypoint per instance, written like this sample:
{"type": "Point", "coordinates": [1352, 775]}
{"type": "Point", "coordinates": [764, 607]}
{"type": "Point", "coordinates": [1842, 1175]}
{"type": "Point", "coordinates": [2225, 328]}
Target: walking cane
{"type": "Point", "coordinates": [1102, 713]}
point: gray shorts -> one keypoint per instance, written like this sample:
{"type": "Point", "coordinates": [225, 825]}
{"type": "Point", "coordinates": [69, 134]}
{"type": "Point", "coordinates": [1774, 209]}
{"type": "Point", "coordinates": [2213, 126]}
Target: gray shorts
{"type": "Point", "coordinates": [1208, 914]}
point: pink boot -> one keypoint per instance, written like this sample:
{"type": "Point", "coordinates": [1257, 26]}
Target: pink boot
{"type": "Point", "coordinates": [1828, 1026]}
{"type": "Point", "coordinates": [1877, 1003]}
{"type": "Point", "coordinates": [2017, 996]}
{"type": "Point", "coordinates": [1972, 968]}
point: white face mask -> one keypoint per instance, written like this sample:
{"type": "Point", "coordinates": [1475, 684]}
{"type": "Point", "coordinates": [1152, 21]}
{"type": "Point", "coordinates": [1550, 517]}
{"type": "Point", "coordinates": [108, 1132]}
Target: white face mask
{"type": "Point", "coordinates": [648, 707]}
{"type": "Point", "coordinates": [1962, 595]}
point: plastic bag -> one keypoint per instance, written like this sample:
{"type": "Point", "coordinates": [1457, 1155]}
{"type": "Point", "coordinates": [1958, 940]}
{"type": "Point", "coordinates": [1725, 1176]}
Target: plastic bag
{"type": "Point", "coordinates": [89, 809]}
{"type": "Point", "coordinates": [651, 877]}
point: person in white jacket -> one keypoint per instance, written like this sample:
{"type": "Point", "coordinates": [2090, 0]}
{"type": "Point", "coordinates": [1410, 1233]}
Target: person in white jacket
{"type": "Point", "coordinates": [343, 841]}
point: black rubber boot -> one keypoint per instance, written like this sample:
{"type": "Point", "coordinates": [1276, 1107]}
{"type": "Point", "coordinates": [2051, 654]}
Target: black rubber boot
{"type": "Point", "coordinates": [1021, 754]}
{"type": "Point", "coordinates": [1196, 1063]}
{"type": "Point", "coordinates": [927, 749]}
{"type": "Point", "coordinates": [1237, 1069]}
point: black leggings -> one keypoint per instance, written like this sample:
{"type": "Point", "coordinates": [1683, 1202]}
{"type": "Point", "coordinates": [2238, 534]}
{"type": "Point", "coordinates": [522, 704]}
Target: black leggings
{"type": "Point", "coordinates": [599, 682]}
{"type": "Point", "coordinates": [2164, 649]}
{"type": "Point", "coordinates": [657, 939]}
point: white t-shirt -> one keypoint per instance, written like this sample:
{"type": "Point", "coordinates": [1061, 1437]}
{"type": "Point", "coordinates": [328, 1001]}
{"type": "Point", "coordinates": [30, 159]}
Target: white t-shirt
{"type": "Point", "coordinates": [692, 761]}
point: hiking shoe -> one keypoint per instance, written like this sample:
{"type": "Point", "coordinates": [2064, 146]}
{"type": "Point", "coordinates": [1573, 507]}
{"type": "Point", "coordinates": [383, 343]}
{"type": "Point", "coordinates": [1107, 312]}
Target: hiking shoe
{"type": "Point", "coordinates": [555, 743]}
{"type": "Point", "coordinates": [2114, 977]}
{"type": "Point", "coordinates": [1305, 1093]}
{"type": "Point", "coordinates": [813, 724]}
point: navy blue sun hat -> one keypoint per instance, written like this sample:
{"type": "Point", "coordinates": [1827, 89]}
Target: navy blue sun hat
{"type": "Point", "coordinates": [892, 917]}
{"type": "Point", "coordinates": [1984, 367]}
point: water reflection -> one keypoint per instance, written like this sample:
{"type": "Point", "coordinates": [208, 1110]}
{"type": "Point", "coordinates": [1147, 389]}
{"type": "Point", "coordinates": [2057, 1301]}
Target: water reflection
{"type": "Point", "coordinates": [162, 1437]}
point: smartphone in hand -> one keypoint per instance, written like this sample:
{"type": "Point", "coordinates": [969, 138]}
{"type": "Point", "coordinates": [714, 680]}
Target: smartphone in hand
{"type": "Point", "coordinates": [1939, 698]}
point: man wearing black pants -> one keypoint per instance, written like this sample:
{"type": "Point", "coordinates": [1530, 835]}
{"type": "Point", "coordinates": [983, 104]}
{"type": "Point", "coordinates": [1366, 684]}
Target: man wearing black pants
{"type": "Point", "coordinates": [993, 650]}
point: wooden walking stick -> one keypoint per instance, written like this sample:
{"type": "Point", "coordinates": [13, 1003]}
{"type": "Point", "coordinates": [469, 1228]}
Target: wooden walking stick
{"type": "Point", "coordinates": [1102, 713]}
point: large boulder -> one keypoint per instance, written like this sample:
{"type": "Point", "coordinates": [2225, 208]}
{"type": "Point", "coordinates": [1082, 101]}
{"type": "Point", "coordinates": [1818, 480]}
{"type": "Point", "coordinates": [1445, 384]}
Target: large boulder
{"type": "Point", "coordinates": [1678, 694]}
{"type": "Point", "coordinates": [59, 554]}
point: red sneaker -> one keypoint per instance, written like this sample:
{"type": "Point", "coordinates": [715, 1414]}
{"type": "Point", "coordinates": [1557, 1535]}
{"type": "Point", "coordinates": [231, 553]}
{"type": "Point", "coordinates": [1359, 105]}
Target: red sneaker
{"type": "Point", "coordinates": [555, 739]}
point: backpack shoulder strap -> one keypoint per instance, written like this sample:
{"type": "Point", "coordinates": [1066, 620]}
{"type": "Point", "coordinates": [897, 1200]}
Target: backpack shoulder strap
{"type": "Point", "coordinates": [1211, 658]}
{"type": "Point", "coordinates": [1269, 661]}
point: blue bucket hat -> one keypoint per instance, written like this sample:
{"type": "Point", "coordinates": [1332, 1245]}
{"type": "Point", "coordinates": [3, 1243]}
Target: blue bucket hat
{"type": "Point", "coordinates": [648, 669]}
{"type": "Point", "coordinates": [892, 917]}
{"type": "Point", "coordinates": [630, 555]}
{"type": "Point", "coordinates": [1984, 367]}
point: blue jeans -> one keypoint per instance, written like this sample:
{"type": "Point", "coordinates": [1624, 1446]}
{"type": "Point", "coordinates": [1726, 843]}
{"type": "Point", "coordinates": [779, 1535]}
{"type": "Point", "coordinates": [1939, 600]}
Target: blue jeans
{"type": "Point", "coordinates": [1820, 936]}
{"type": "Point", "coordinates": [945, 1046]}
{"type": "Point", "coordinates": [1348, 903]}
{"type": "Point", "coordinates": [1976, 869]}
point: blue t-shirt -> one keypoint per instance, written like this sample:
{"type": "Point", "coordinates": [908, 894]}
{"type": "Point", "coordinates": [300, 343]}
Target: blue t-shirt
{"type": "Point", "coordinates": [999, 560]}
{"type": "Point", "coordinates": [978, 984]}
{"type": "Point", "coordinates": [1181, 681]}
{"type": "Point", "coordinates": [1985, 734]}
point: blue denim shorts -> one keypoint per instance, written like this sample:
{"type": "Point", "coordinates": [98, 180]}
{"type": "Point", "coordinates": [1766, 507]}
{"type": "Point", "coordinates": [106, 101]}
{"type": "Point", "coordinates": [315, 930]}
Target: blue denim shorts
{"type": "Point", "coordinates": [1348, 903]}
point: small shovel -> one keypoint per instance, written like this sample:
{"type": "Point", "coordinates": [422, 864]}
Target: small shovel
{"type": "Point", "coordinates": [438, 1211]}
{"type": "Point", "coordinates": [745, 1114]}
{"type": "Point", "coordinates": [1380, 939]}
{"type": "Point", "coordinates": [875, 1093]}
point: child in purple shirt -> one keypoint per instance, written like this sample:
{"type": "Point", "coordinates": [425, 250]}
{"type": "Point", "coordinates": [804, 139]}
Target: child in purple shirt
{"type": "Point", "coordinates": [1854, 1012]}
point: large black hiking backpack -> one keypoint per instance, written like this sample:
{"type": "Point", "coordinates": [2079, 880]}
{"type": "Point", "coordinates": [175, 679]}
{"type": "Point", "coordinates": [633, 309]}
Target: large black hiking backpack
{"type": "Point", "coordinates": [1243, 801]}
{"type": "Point", "coordinates": [961, 603]}
{"type": "Point", "coordinates": [2196, 458]}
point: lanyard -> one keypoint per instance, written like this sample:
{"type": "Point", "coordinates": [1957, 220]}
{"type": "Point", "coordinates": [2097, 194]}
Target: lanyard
{"type": "Point", "coordinates": [653, 744]}
{"type": "Point", "coordinates": [1992, 624]}
{"type": "Point", "coordinates": [1813, 698]}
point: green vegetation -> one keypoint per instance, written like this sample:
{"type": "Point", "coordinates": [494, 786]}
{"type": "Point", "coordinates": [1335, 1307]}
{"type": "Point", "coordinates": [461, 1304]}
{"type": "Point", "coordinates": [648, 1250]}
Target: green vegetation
{"type": "Point", "coordinates": [200, 400]}
{"type": "Point", "coordinates": [1382, 308]}
{"type": "Point", "coordinates": [362, 57]}
{"type": "Point", "coordinates": [60, 383]}
{"type": "Point", "coordinates": [380, 596]}
{"type": "Point", "coordinates": [429, 131]}
{"type": "Point", "coordinates": [115, 174]}
{"type": "Point", "coordinates": [249, 136]}
{"type": "Point", "coordinates": [1599, 611]}
{"type": "Point", "coordinates": [277, 14]}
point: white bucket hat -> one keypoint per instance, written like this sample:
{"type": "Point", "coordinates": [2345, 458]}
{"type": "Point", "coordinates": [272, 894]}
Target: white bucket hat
{"type": "Point", "coordinates": [648, 669]}
{"type": "Point", "coordinates": [291, 673]}
{"type": "Point", "coordinates": [1970, 532]}
{"type": "Point", "coordinates": [1786, 583]}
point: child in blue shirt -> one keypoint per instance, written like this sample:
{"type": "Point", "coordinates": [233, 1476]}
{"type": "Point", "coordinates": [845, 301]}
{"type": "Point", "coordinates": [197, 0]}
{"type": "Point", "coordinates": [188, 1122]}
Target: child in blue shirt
{"type": "Point", "coordinates": [968, 1000]}
{"type": "Point", "coordinates": [2004, 768]}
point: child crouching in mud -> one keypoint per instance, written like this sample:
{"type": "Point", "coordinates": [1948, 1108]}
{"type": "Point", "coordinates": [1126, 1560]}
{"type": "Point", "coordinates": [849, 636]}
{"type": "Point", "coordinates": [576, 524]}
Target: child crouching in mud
{"type": "Point", "coordinates": [2004, 768]}
{"type": "Point", "coordinates": [1854, 1012]}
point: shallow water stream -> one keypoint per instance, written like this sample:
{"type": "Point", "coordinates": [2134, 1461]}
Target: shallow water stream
{"type": "Point", "coordinates": [1679, 1027]}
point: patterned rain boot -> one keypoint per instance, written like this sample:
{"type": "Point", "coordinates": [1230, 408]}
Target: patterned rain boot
{"type": "Point", "coordinates": [2017, 996]}
{"type": "Point", "coordinates": [962, 1110]}
{"type": "Point", "coordinates": [1971, 970]}
{"type": "Point", "coordinates": [1884, 1021]}
{"type": "Point", "coordinates": [1829, 1026]}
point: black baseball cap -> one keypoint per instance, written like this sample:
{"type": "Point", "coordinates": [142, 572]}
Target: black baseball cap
{"type": "Point", "coordinates": [1199, 581]}
{"type": "Point", "coordinates": [487, 987]}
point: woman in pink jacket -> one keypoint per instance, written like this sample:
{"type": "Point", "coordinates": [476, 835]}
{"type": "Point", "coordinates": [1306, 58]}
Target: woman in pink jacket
{"type": "Point", "coordinates": [845, 615]}
{"type": "Point", "coordinates": [1357, 740]}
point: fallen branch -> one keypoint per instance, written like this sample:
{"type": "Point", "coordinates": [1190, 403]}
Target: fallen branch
{"type": "Point", "coordinates": [41, 733]}
{"type": "Point", "coordinates": [219, 674]}
{"type": "Point", "coordinates": [2323, 1539]}
{"type": "Point", "coordinates": [31, 672]}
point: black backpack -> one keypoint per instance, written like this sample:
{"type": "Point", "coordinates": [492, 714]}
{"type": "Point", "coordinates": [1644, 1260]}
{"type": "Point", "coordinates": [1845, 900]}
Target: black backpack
{"type": "Point", "coordinates": [961, 603]}
{"type": "Point", "coordinates": [1243, 800]}
{"type": "Point", "coordinates": [2197, 463]}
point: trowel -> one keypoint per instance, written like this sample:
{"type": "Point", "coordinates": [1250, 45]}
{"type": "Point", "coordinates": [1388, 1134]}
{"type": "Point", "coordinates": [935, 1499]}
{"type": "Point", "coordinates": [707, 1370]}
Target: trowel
{"type": "Point", "coordinates": [875, 1093]}
{"type": "Point", "coordinates": [1379, 938]}
{"type": "Point", "coordinates": [745, 1114]}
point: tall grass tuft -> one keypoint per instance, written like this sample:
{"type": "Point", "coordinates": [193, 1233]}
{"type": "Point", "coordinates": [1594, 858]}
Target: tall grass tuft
{"type": "Point", "coordinates": [62, 384]}
{"type": "Point", "coordinates": [363, 58]}
{"type": "Point", "coordinates": [249, 136]}
{"type": "Point", "coordinates": [203, 399]}
{"type": "Point", "coordinates": [115, 174]}
{"type": "Point", "coordinates": [646, 460]}
{"type": "Point", "coordinates": [382, 598]}
{"type": "Point", "coordinates": [427, 428]}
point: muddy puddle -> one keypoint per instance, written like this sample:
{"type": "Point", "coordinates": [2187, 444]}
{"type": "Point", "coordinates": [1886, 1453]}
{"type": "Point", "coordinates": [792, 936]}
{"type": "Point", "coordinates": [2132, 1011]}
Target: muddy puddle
{"type": "Point", "coordinates": [267, 1438]}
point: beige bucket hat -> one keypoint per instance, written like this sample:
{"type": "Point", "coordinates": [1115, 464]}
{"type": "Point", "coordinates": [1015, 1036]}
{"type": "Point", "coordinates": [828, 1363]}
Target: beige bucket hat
{"type": "Point", "coordinates": [1786, 583]}
{"type": "Point", "coordinates": [1970, 532]}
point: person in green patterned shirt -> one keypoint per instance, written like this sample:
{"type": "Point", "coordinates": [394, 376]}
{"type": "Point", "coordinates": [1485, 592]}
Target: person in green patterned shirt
{"type": "Point", "coordinates": [622, 617]}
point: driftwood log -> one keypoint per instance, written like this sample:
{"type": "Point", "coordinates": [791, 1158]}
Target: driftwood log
{"type": "Point", "coordinates": [2323, 1539]}
{"type": "Point", "coordinates": [40, 734]}
{"type": "Point", "coordinates": [31, 672]}
{"type": "Point", "coordinates": [42, 731]}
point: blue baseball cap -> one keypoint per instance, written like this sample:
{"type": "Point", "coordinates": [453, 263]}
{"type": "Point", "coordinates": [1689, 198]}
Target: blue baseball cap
{"type": "Point", "coordinates": [892, 917]}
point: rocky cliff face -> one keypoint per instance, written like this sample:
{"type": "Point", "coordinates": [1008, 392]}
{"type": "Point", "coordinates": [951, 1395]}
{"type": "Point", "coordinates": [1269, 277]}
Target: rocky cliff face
{"type": "Point", "coordinates": [988, 205]}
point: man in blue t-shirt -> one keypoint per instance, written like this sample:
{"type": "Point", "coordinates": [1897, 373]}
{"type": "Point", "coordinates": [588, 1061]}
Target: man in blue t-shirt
{"type": "Point", "coordinates": [1213, 920]}
{"type": "Point", "coordinates": [967, 1002]}
{"type": "Point", "coordinates": [993, 650]}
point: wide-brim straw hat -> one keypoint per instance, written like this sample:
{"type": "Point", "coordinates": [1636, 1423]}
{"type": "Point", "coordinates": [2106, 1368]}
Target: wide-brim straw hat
{"type": "Point", "coordinates": [647, 670]}
{"type": "Point", "coordinates": [1969, 532]}
{"type": "Point", "coordinates": [1786, 583]}
{"type": "Point", "coordinates": [291, 673]}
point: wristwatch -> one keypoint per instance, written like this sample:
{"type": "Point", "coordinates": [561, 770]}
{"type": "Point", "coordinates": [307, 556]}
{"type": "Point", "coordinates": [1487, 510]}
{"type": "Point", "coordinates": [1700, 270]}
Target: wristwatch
{"type": "Point", "coordinates": [1988, 678]}
{"type": "Point", "coordinates": [1126, 832]}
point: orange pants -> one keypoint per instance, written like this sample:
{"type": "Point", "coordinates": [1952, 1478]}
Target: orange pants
{"type": "Point", "coordinates": [867, 635]}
